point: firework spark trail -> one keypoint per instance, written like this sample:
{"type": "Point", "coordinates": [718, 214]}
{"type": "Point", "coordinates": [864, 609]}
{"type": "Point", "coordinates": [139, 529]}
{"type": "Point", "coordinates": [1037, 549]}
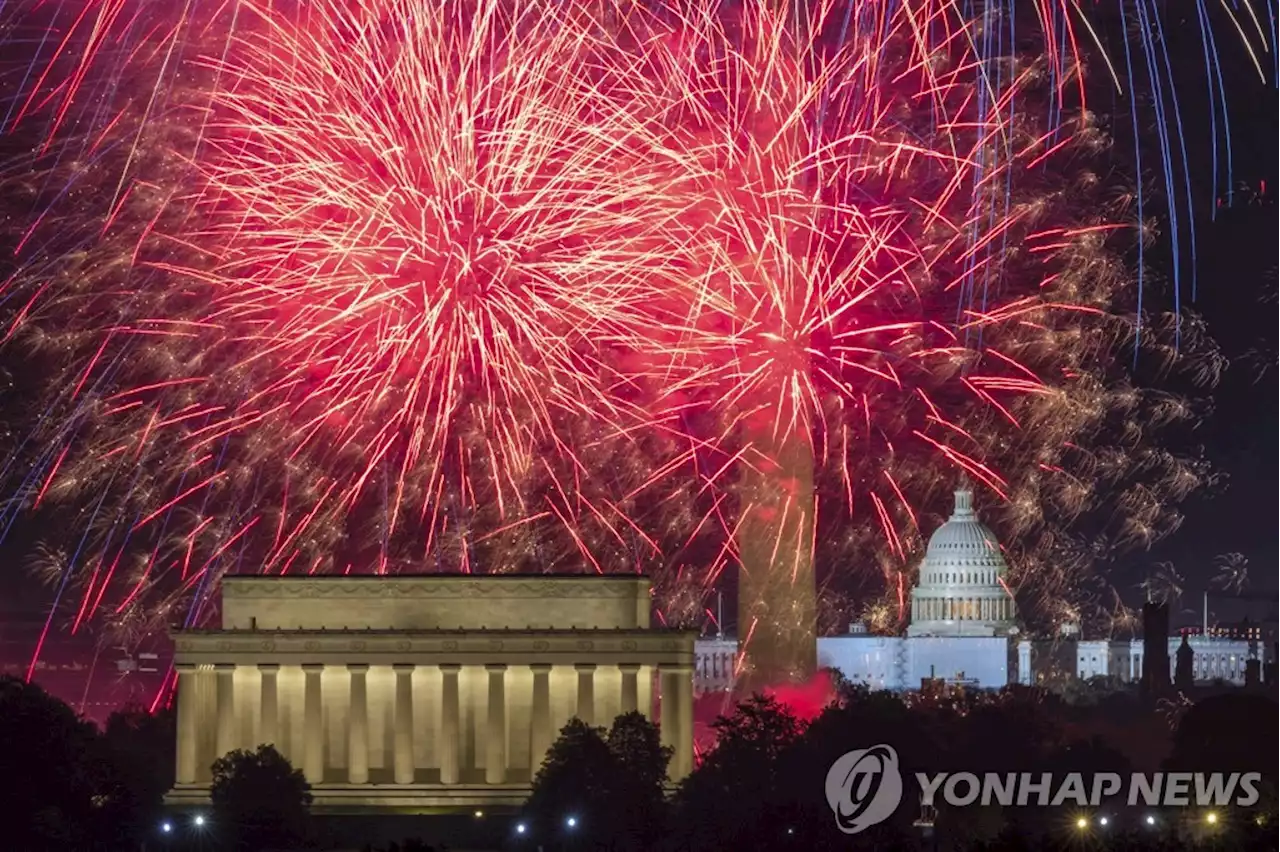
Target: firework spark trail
{"type": "Point", "coordinates": [429, 227]}
{"type": "Point", "coordinates": [634, 287]}
{"type": "Point", "coordinates": [810, 231]}
{"type": "Point", "coordinates": [822, 263]}
{"type": "Point", "coordinates": [101, 44]}
{"type": "Point", "coordinates": [417, 238]}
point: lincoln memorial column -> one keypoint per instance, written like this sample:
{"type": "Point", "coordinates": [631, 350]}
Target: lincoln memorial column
{"type": "Point", "coordinates": [587, 692]}
{"type": "Point", "coordinates": [676, 728]}
{"type": "Point", "coordinates": [358, 725]}
{"type": "Point", "coordinates": [495, 764]}
{"type": "Point", "coordinates": [683, 758]}
{"type": "Point", "coordinates": [187, 734]}
{"type": "Point", "coordinates": [540, 716]}
{"type": "Point", "coordinates": [270, 703]}
{"type": "Point", "coordinates": [630, 686]}
{"type": "Point", "coordinates": [226, 736]}
{"type": "Point", "coordinates": [312, 725]}
{"type": "Point", "coordinates": [450, 740]}
{"type": "Point", "coordinates": [404, 723]}
{"type": "Point", "coordinates": [667, 721]}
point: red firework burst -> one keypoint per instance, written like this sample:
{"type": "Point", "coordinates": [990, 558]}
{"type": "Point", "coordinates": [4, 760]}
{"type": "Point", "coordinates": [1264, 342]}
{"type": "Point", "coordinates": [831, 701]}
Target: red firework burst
{"type": "Point", "coordinates": [662, 284]}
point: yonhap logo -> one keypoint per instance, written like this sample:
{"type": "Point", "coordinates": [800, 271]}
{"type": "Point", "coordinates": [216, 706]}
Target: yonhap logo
{"type": "Point", "coordinates": [864, 787]}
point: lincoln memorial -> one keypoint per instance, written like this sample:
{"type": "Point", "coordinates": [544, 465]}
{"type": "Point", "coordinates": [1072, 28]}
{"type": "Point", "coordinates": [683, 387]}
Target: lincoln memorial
{"type": "Point", "coordinates": [422, 693]}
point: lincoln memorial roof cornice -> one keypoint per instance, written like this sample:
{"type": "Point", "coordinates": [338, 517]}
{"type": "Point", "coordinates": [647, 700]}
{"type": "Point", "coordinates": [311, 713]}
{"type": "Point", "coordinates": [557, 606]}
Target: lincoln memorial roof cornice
{"type": "Point", "coordinates": [384, 646]}
{"type": "Point", "coordinates": [576, 632]}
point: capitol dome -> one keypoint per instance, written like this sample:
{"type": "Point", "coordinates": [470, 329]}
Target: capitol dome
{"type": "Point", "coordinates": [959, 592]}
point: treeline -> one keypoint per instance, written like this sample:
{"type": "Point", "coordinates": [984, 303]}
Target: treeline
{"type": "Point", "coordinates": [72, 786]}
{"type": "Point", "coordinates": [69, 785]}
{"type": "Point", "coordinates": [763, 785]}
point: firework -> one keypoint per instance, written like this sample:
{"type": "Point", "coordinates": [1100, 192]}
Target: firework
{"type": "Point", "coordinates": [899, 280]}
{"type": "Point", "coordinates": [504, 286]}
{"type": "Point", "coordinates": [1233, 572]}
{"type": "Point", "coordinates": [364, 308]}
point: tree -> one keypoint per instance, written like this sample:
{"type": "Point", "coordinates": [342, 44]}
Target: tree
{"type": "Point", "coordinates": [259, 800]}
{"type": "Point", "coordinates": [572, 783]}
{"type": "Point", "coordinates": [140, 746]}
{"type": "Point", "coordinates": [760, 729]}
{"type": "Point", "coordinates": [736, 787]}
{"type": "Point", "coordinates": [638, 794]}
{"type": "Point", "coordinates": [1235, 732]}
{"type": "Point", "coordinates": [863, 719]}
{"type": "Point", "coordinates": [609, 784]}
{"type": "Point", "coordinates": [58, 786]}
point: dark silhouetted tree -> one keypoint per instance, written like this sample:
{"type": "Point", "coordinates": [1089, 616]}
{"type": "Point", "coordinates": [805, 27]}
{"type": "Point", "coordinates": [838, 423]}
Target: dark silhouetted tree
{"type": "Point", "coordinates": [57, 791]}
{"type": "Point", "coordinates": [573, 783]}
{"type": "Point", "coordinates": [737, 788]}
{"type": "Point", "coordinates": [140, 746]}
{"type": "Point", "coordinates": [863, 719]}
{"type": "Point", "coordinates": [1235, 732]}
{"type": "Point", "coordinates": [574, 778]}
{"type": "Point", "coordinates": [637, 792]}
{"type": "Point", "coordinates": [260, 801]}
{"type": "Point", "coordinates": [610, 784]}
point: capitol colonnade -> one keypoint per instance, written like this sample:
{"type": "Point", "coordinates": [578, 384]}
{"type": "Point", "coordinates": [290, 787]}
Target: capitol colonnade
{"type": "Point", "coordinates": [426, 716]}
{"type": "Point", "coordinates": [987, 606]}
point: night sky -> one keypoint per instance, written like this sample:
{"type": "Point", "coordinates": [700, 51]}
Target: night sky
{"type": "Point", "coordinates": [1236, 275]}
{"type": "Point", "coordinates": [1236, 294]}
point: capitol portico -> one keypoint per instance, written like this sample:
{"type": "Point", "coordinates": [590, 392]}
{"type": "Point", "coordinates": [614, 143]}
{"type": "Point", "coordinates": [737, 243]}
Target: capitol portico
{"type": "Point", "coordinates": [423, 692]}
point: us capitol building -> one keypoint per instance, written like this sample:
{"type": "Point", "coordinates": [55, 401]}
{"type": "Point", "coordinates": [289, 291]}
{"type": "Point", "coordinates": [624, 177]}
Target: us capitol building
{"type": "Point", "coordinates": [963, 631]}
{"type": "Point", "coordinates": [963, 618]}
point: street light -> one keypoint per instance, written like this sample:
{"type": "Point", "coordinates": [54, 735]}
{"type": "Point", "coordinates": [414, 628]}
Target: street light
{"type": "Point", "coordinates": [1082, 823]}
{"type": "Point", "coordinates": [166, 827]}
{"type": "Point", "coordinates": [1211, 818]}
{"type": "Point", "coordinates": [520, 828]}
{"type": "Point", "coordinates": [1103, 821]}
{"type": "Point", "coordinates": [479, 814]}
{"type": "Point", "coordinates": [1151, 820]}
{"type": "Point", "coordinates": [199, 821]}
{"type": "Point", "coordinates": [572, 822]}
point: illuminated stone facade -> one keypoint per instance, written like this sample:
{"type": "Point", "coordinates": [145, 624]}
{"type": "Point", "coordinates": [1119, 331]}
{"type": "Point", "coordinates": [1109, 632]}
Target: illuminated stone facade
{"type": "Point", "coordinates": [426, 692]}
{"type": "Point", "coordinates": [1217, 658]}
{"type": "Point", "coordinates": [962, 616]}
{"type": "Point", "coordinates": [961, 589]}
{"type": "Point", "coordinates": [963, 631]}
{"type": "Point", "coordinates": [715, 665]}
